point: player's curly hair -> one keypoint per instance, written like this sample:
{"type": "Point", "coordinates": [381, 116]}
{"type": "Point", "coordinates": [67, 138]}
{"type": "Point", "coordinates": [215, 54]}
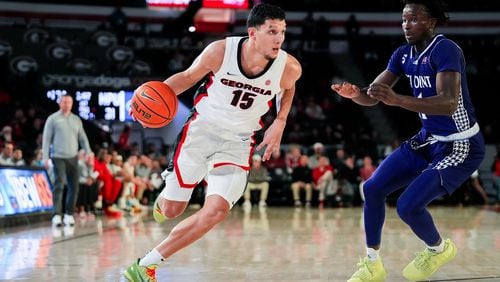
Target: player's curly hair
{"type": "Point", "coordinates": [437, 9]}
{"type": "Point", "coordinates": [262, 12]}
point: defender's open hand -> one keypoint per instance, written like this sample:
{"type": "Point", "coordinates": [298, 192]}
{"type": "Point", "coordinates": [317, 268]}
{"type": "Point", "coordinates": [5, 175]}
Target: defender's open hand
{"type": "Point", "coordinates": [347, 90]}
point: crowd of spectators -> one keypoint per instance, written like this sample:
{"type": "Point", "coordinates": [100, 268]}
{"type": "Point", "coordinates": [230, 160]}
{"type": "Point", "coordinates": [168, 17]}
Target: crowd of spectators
{"type": "Point", "coordinates": [330, 148]}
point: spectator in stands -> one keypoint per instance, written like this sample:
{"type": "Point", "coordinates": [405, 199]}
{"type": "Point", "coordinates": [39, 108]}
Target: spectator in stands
{"type": "Point", "coordinates": [38, 159]}
{"type": "Point", "coordinates": [339, 159]}
{"type": "Point", "coordinates": [302, 179]}
{"type": "Point", "coordinates": [258, 179]}
{"type": "Point", "coordinates": [17, 158]}
{"type": "Point", "coordinates": [277, 164]}
{"type": "Point", "coordinates": [143, 172]}
{"type": "Point", "coordinates": [6, 155]}
{"type": "Point", "coordinates": [156, 181]}
{"type": "Point", "coordinates": [6, 135]}
{"type": "Point", "coordinates": [110, 187]}
{"type": "Point", "coordinates": [292, 158]}
{"type": "Point", "coordinates": [62, 134]}
{"type": "Point", "coordinates": [348, 178]}
{"type": "Point", "coordinates": [87, 193]}
{"type": "Point", "coordinates": [134, 186]}
{"type": "Point", "coordinates": [322, 176]}
{"type": "Point", "coordinates": [367, 169]}
{"type": "Point", "coordinates": [318, 152]}
{"type": "Point", "coordinates": [114, 163]}
{"type": "Point", "coordinates": [394, 144]}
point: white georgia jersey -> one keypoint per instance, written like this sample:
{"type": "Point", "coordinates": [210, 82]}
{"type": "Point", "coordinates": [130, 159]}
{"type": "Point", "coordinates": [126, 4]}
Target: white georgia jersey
{"type": "Point", "coordinates": [235, 101]}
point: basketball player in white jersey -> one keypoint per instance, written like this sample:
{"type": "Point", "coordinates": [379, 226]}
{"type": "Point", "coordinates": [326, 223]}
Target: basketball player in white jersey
{"type": "Point", "coordinates": [243, 76]}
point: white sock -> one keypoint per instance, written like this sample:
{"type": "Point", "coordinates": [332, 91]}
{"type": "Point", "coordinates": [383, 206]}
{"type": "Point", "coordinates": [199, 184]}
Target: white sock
{"type": "Point", "coordinates": [153, 257]}
{"type": "Point", "coordinates": [437, 249]}
{"type": "Point", "coordinates": [372, 253]}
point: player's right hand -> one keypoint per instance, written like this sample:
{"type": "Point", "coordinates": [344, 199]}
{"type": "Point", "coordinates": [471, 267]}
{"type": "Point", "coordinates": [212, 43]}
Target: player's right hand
{"type": "Point", "coordinates": [346, 90]}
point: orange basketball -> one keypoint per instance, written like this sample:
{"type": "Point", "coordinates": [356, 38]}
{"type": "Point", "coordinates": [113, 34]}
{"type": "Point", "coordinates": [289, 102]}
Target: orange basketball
{"type": "Point", "coordinates": [154, 104]}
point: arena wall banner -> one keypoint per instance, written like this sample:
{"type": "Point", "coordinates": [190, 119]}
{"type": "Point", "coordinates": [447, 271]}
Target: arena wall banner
{"type": "Point", "coordinates": [24, 190]}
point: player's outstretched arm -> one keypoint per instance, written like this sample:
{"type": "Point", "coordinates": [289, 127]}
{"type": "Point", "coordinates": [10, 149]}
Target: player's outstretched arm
{"type": "Point", "coordinates": [273, 135]}
{"type": "Point", "coordinates": [360, 96]}
{"type": "Point", "coordinates": [208, 61]}
{"type": "Point", "coordinates": [444, 103]}
{"type": "Point", "coordinates": [352, 91]}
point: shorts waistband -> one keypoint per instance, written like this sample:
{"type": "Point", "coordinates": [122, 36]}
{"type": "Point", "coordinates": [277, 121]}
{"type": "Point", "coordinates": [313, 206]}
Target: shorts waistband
{"type": "Point", "coordinates": [466, 134]}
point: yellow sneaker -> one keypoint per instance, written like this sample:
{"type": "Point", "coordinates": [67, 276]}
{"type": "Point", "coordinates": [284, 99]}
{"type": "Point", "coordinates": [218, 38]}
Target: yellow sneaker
{"type": "Point", "coordinates": [369, 271]}
{"type": "Point", "coordinates": [428, 262]}
{"type": "Point", "coordinates": [157, 214]}
{"type": "Point", "coordinates": [137, 273]}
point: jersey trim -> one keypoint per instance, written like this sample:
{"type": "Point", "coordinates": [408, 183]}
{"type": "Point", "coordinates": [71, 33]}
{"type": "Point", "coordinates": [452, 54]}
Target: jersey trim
{"type": "Point", "coordinates": [240, 67]}
{"type": "Point", "coordinates": [223, 164]}
{"type": "Point", "coordinates": [458, 155]}
{"type": "Point", "coordinates": [178, 152]}
{"type": "Point", "coordinates": [413, 50]}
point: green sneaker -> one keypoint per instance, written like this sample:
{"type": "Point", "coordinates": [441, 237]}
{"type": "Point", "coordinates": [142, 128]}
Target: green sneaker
{"type": "Point", "coordinates": [157, 214]}
{"type": "Point", "coordinates": [428, 262]}
{"type": "Point", "coordinates": [137, 273]}
{"type": "Point", "coordinates": [369, 271]}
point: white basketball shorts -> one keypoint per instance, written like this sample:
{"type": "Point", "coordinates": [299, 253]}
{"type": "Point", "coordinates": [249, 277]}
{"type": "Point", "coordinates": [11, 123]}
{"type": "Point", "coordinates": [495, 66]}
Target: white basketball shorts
{"type": "Point", "coordinates": [205, 151]}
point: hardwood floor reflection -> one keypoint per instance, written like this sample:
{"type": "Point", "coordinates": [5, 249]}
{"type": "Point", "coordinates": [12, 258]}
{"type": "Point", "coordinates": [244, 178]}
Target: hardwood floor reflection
{"type": "Point", "coordinates": [276, 244]}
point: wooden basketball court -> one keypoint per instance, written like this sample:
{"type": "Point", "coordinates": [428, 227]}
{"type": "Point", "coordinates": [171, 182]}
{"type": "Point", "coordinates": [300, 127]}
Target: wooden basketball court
{"type": "Point", "coordinates": [275, 244]}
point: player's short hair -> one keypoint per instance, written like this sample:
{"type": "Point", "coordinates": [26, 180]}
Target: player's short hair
{"type": "Point", "coordinates": [262, 12]}
{"type": "Point", "coordinates": [437, 9]}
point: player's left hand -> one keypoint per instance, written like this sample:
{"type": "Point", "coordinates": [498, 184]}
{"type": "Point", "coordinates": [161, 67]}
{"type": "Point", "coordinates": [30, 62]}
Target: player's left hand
{"type": "Point", "coordinates": [131, 114]}
{"type": "Point", "coordinates": [346, 90]}
{"type": "Point", "coordinates": [272, 139]}
{"type": "Point", "coordinates": [384, 93]}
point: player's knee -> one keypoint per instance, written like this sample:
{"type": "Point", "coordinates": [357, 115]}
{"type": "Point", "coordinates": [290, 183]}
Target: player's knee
{"type": "Point", "coordinates": [172, 209]}
{"type": "Point", "coordinates": [371, 192]}
{"type": "Point", "coordinates": [213, 216]}
{"type": "Point", "coordinates": [404, 210]}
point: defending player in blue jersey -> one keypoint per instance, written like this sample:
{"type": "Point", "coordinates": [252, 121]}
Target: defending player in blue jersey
{"type": "Point", "coordinates": [439, 158]}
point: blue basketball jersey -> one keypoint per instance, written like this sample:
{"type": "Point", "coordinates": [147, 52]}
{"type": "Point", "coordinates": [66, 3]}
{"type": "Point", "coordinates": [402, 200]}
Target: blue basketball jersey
{"type": "Point", "coordinates": [421, 69]}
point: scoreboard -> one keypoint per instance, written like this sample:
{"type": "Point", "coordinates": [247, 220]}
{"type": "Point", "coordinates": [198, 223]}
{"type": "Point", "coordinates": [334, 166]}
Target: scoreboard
{"type": "Point", "coordinates": [97, 104]}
